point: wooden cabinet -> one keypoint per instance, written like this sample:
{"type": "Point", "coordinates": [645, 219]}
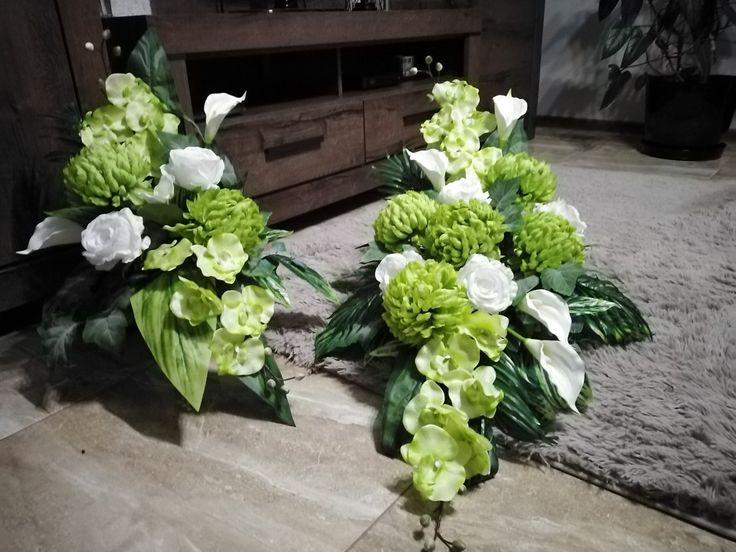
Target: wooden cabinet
{"type": "Point", "coordinates": [325, 94]}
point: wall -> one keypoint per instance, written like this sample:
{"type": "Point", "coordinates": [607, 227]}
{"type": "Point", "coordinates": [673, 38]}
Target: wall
{"type": "Point", "coordinates": [573, 78]}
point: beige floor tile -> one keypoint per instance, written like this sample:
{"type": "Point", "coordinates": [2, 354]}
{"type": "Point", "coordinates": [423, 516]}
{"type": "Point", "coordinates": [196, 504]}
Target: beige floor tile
{"type": "Point", "coordinates": [130, 471]}
{"type": "Point", "coordinates": [530, 509]}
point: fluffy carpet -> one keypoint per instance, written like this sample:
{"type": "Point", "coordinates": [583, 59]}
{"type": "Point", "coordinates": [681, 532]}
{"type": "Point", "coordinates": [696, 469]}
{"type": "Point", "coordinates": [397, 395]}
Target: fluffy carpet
{"type": "Point", "coordinates": [662, 426]}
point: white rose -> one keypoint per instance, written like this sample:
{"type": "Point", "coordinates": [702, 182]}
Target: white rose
{"type": "Point", "coordinates": [216, 108]}
{"type": "Point", "coordinates": [195, 168]}
{"type": "Point", "coordinates": [563, 209]}
{"type": "Point", "coordinates": [114, 237]}
{"type": "Point", "coordinates": [464, 189]}
{"type": "Point", "coordinates": [489, 284]}
{"type": "Point", "coordinates": [394, 263]}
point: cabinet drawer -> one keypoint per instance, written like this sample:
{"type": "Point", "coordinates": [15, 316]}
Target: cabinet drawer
{"type": "Point", "coordinates": [393, 121]}
{"type": "Point", "coordinates": [294, 145]}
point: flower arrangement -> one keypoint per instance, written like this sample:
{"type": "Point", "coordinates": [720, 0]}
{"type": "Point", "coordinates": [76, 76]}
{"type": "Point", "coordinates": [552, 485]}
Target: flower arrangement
{"type": "Point", "coordinates": [169, 241]}
{"type": "Point", "coordinates": [476, 291]}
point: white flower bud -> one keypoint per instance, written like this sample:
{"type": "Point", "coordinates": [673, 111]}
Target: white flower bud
{"type": "Point", "coordinates": [413, 71]}
{"type": "Point", "coordinates": [117, 51]}
{"type": "Point", "coordinates": [428, 60]}
{"type": "Point", "coordinates": [438, 67]}
{"type": "Point", "coordinates": [89, 46]}
{"type": "Point", "coordinates": [106, 34]}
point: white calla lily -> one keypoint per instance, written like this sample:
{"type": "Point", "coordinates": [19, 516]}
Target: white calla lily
{"type": "Point", "coordinates": [163, 191]}
{"type": "Point", "coordinates": [550, 309]}
{"type": "Point", "coordinates": [508, 111]}
{"type": "Point", "coordinates": [394, 263]}
{"type": "Point", "coordinates": [216, 108]}
{"type": "Point", "coordinates": [434, 164]}
{"type": "Point", "coordinates": [563, 209]}
{"type": "Point", "coordinates": [563, 365]}
{"type": "Point", "coordinates": [464, 189]}
{"type": "Point", "coordinates": [53, 231]}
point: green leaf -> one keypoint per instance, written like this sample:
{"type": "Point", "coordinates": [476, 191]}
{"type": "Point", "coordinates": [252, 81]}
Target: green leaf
{"type": "Point", "coordinates": [484, 426]}
{"type": "Point", "coordinates": [402, 386]}
{"type": "Point", "coordinates": [148, 61]}
{"type": "Point", "coordinates": [372, 253]}
{"type": "Point", "coordinates": [387, 350]}
{"type": "Point", "coordinates": [181, 351]}
{"type": "Point", "coordinates": [356, 322]}
{"type": "Point", "coordinates": [271, 235]}
{"type": "Point", "coordinates": [107, 330]}
{"type": "Point", "coordinates": [398, 174]}
{"type": "Point", "coordinates": [309, 275]}
{"type": "Point", "coordinates": [273, 397]}
{"type": "Point", "coordinates": [617, 80]}
{"type": "Point", "coordinates": [524, 286]}
{"type": "Point", "coordinates": [82, 215]}
{"type": "Point", "coordinates": [265, 275]}
{"type": "Point", "coordinates": [637, 45]}
{"type": "Point", "coordinates": [562, 279]}
{"type": "Point", "coordinates": [589, 305]}
{"type": "Point", "coordinates": [518, 141]}
{"type": "Point", "coordinates": [57, 336]}
{"type": "Point", "coordinates": [163, 214]}
{"type": "Point", "coordinates": [503, 193]}
{"type": "Point", "coordinates": [617, 36]}
{"type": "Point", "coordinates": [160, 145]}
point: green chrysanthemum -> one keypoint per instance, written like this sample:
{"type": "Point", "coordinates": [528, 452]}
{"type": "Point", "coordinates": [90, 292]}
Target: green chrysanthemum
{"type": "Point", "coordinates": [109, 174]}
{"type": "Point", "coordinates": [537, 182]}
{"type": "Point", "coordinates": [219, 211]}
{"type": "Point", "coordinates": [403, 220]}
{"type": "Point", "coordinates": [546, 241]}
{"type": "Point", "coordinates": [460, 229]}
{"type": "Point", "coordinates": [425, 300]}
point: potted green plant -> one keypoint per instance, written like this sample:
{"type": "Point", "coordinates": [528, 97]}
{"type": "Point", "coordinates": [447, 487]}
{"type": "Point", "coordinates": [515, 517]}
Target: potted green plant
{"type": "Point", "coordinates": [687, 108]}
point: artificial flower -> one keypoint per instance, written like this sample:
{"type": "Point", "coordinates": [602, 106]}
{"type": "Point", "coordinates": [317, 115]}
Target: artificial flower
{"type": "Point", "coordinates": [236, 355]}
{"type": "Point", "coordinates": [223, 258]}
{"type": "Point", "coordinates": [488, 331]}
{"type": "Point", "coordinates": [438, 357]}
{"type": "Point", "coordinates": [458, 230]}
{"type": "Point", "coordinates": [433, 163]}
{"type": "Point", "coordinates": [537, 182]}
{"type": "Point", "coordinates": [424, 300]}
{"type": "Point", "coordinates": [474, 393]}
{"type": "Point", "coordinates": [393, 263]}
{"type": "Point", "coordinates": [246, 312]}
{"type": "Point", "coordinates": [168, 256]}
{"type": "Point", "coordinates": [550, 310]}
{"type": "Point", "coordinates": [563, 366]}
{"type": "Point", "coordinates": [508, 111]}
{"type": "Point", "coordinates": [195, 168]}
{"type": "Point", "coordinates": [404, 218]}
{"type": "Point", "coordinates": [546, 241]}
{"type": "Point", "coordinates": [114, 237]}
{"type": "Point", "coordinates": [565, 210]}
{"type": "Point", "coordinates": [216, 108]}
{"type": "Point", "coordinates": [120, 87]}
{"type": "Point", "coordinates": [464, 189]}
{"type": "Point", "coordinates": [489, 283]}
{"type": "Point", "coordinates": [430, 395]}
{"type": "Point", "coordinates": [162, 192]}
{"type": "Point", "coordinates": [462, 97]}
{"type": "Point", "coordinates": [105, 124]}
{"type": "Point", "coordinates": [53, 231]}
{"type": "Point", "coordinates": [193, 303]}
{"type": "Point", "coordinates": [484, 159]}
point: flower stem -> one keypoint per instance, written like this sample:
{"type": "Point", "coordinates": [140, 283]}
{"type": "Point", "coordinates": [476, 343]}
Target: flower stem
{"type": "Point", "coordinates": [516, 334]}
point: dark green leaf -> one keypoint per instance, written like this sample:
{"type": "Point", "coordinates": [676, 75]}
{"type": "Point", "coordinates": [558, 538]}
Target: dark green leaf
{"type": "Point", "coordinates": [273, 397]}
{"type": "Point", "coordinates": [503, 193]}
{"type": "Point", "coordinates": [309, 275]}
{"type": "Point", "coordinates": [605, 7]}
{"type": "Point", "coordinates": [484, 426]}
{"type": "Point", "coordinates": [637, 46]}
{"type": "Point", "coordinates": [398, 174]}
{"type": "Point", "coordinates": [388, 350]}
{"type": "Point", "coordinates": [617, 36]}
{"type": "Point", "coordinates": [82, 214]}
{"type": "Point", "coordinates": [181, 351]}
{"type": "Point", "coordinates": [617, 80]}
{"type": "Point", "coordinates": [271, 235]}
{"type": "Point", "coordinates": [57, 336]}
{"type": "Point", "coordinates": [265, 275]}
{"type": "Point", "coordinates": [524, 286]}
{"type": "Point", "coordinates": [230, 179]}
{"type": "Point", "coordinates": [162, 214]}
{"type": "Point", "coordinates": [107, 330]}
{"type": "Point", "coordinates": [562, 279]}
{"type": "Point", "coordinates": [148, 61]}
{"type": "Point", "coordinates": [372, 253]}
{"type": "Point", "coordinates": [402, 386]}
{"type": "Point", "coordinates": [630, 10]}
{"type": "Point", "coordinates": [518, 141]}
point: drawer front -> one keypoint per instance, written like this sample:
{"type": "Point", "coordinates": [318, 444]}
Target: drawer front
{"type": "Point", "coordinates": [294, 146]}
{"type": "Point", "coordinates": [393, 122]}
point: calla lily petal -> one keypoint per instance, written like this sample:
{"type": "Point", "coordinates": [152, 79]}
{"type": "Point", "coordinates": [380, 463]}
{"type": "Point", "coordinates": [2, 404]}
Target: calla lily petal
{"type": "Point", "coordinates": [216, 108]}
{"type": "Point", "coordinates": [563, 365]}
{"type": "Point", "coordinates": [508, 111]}
{"type": "Point", "coordinates": [550, 310]}
{"type": "Point", "coordinates": [53, 231]}
{"type": "Point", "coordinates": [434, 164]}
{"type": "Point", "coordinates": [163, 191]}
{"type": "Point", "coordinates": [464, 189]}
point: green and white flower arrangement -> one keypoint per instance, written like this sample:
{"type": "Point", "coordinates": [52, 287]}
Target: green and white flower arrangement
{"type": "Point", "coordinates": [169, 241]}
{"type": "Point", "coordinates": [476, 291]}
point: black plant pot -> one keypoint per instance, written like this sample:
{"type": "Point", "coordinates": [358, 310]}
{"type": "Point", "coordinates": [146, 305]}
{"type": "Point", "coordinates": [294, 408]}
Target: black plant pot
{"type": "Point", "coordinates": [685, 120]}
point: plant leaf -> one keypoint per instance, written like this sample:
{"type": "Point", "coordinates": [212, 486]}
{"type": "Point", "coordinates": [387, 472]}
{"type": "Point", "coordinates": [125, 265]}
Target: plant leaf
{"type": "Point", "coordinates": [181, 351]}
{"type": "Point", "coordinates": [265, 275]}
{"type": "Point", "coordinates": [518, 141]}
{"type": "Point", "coordinates": [398, 174]}
{"type": "Point", "coordinates": [588, 305]}
{"type": "Point", "coordinates": [616, 37]}
{"type": "Point", "coordinates": [372, 253]}
{"type": "Point", "coordinates": [630, 10]}
{"type": "Point", "coordinates": [524, 286]}
{"type": "Point", "coordinates": [148, 61]}
{"type": "Point", "coordinates": [107, 330]}
{"type": "Point", "coordinates": [605, 7]}
{"type": "Point", "coordinates": [402, 386]}
{"type": "Point", "coordinates": [637, 45]}
{"type": "Point", "coordinates": [163, 214]}
{"type": "Point", "coordinates": [616, 82]}
{"type": "Point", "coordinates": [309, 275]}
{"type": "Point", "coordinates": [274, 397]}
{"type": "Point", "coordinates": [562, 279]}
{"type": "Point", "coordinates": [57, 336]}
{"type": "Point", "coordinates": [503, 193]}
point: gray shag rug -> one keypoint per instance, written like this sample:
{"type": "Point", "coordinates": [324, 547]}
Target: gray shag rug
{"type": "Point", "coordinates": [662, 426]}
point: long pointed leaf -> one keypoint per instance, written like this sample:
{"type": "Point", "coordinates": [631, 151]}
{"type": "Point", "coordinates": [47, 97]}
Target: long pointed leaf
{"type": "Point", "coordinates": [273, 397]}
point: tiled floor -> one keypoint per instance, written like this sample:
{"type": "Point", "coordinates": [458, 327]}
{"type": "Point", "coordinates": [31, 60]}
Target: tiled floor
{"type": "Point", "coordinates": [119, 464]}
